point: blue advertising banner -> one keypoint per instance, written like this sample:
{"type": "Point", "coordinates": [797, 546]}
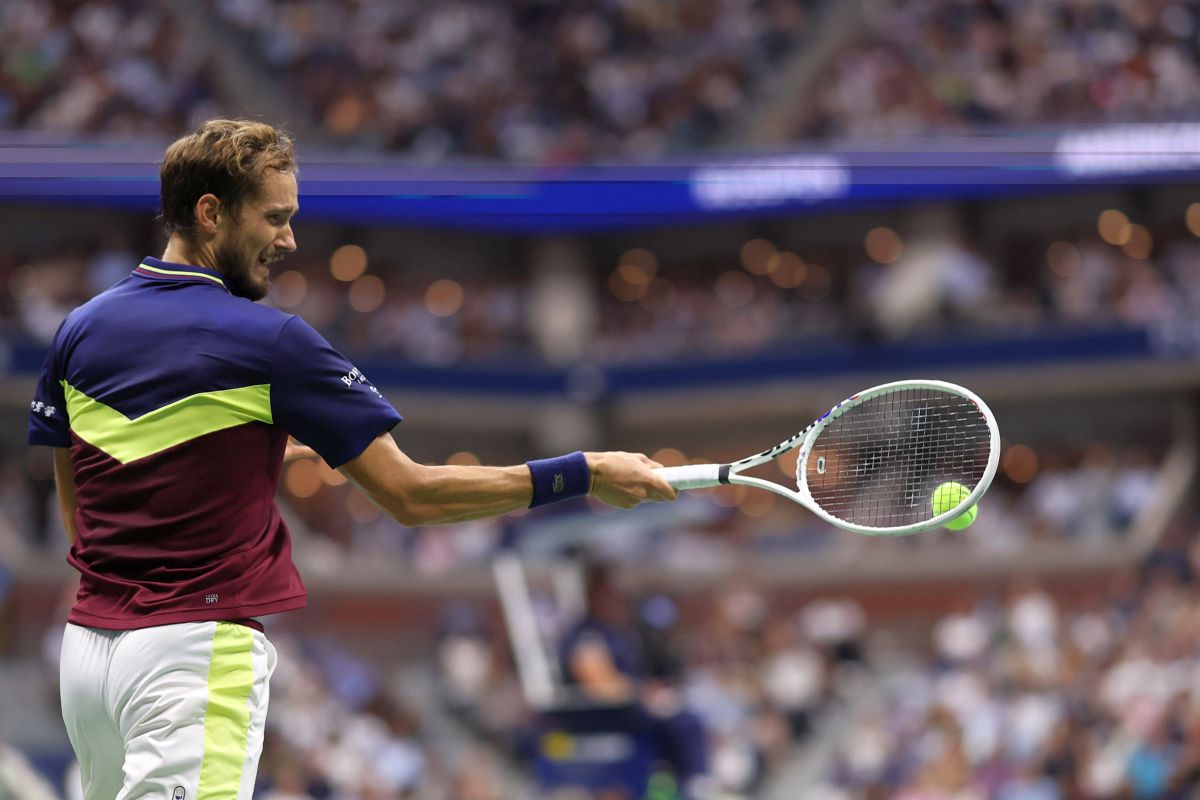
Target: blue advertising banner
{"type": "Point", "coordinates": [523, 200]}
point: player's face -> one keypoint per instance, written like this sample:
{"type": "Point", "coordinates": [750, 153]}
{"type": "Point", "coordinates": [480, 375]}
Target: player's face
{"type": "Point", "coordinates": [261, 234]}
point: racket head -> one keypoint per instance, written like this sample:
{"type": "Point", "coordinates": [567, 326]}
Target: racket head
{"type": "Point", "coordinates": [872, 462]}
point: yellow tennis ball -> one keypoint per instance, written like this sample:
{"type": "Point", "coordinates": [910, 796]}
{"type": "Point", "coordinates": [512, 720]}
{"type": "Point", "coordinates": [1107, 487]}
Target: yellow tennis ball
{"type": "Point", "coordinates": [949, 495]}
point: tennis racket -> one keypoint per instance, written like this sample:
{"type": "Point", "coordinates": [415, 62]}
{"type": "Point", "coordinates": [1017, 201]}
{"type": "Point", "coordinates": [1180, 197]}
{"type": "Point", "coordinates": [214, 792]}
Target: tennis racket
{"type": "Point", "coordinates": [871, 463]}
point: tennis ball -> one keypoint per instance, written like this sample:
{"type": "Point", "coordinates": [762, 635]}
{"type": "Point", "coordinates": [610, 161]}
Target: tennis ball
{"type": "Point", "coordinates": [949, 495]}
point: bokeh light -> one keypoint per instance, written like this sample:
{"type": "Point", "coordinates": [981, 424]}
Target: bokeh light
{"type": "Point", "coordinates": [463, 458]}
{"type": "Point", "coordinates": [303, 478]}
{"type": "Point", "coordinates": [348, 263]}
{"type": "Point", "coordinates": [328, 475]}
{"type": "Point", "coordinates": [1193, 218]}
{"type": "Point", "coordinates": [755, 502]}
{"type": "Point", "coordinates": [1140, 243]}
{"type": "Point", "coordinates": [788, 270]}
{"type": "Point", "coordinates": [634, 274]}
{"type": "Point", "coordinates": [818, 283]}
{"type": "Point", "coordinates": [444, 298]}
{"type": "Point", "coordinates": [756, 256]}
{"type": "Point", "coordinates": [641, 258]}
{"type": "Point", "coordinates": [883, 245]}
{"type": "Point", "coordinates": [367, 293]}
{"type": "Point", "coordinates": [288, 289]}
{"type": "Point", "coordinates": [670, 457]}
{"type": "Point", "coordinates": [622, 289]}
{"type": "Point", "coordinates": [786, 464]}
{"type": "Point", "coordinates": [1020, 463]}
{"type": "Point", "coordinates": [1063, 259]}
{"type": "Point", "coordinates": [1114, 227]}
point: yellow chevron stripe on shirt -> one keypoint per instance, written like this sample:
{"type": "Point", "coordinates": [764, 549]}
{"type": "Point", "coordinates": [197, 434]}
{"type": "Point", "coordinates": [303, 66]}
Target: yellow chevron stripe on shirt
{"type": "Point", "coordinates": [183, 420]}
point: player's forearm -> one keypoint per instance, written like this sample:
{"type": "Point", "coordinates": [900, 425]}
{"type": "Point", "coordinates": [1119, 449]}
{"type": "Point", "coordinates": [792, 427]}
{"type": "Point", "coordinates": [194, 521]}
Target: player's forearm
{"type": "Point", "coordinates": [447, 494]}
{"type": "Point", "coordinates": [414, 494]}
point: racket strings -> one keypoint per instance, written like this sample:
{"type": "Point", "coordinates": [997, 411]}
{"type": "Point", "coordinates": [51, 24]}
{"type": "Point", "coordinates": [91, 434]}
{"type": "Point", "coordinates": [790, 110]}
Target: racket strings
{"type": "Point", "coordinates": [879, 462]}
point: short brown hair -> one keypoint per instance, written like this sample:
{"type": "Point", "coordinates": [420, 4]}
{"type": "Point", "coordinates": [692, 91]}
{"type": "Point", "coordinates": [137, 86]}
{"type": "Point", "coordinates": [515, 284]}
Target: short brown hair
{"type": "Point", "coordinates": [224, 157]}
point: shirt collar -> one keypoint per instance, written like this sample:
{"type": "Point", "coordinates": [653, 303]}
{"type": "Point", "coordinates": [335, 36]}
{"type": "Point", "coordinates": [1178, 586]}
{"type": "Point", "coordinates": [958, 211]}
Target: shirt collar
{"type": "Point", "coordinates": [165, 270]}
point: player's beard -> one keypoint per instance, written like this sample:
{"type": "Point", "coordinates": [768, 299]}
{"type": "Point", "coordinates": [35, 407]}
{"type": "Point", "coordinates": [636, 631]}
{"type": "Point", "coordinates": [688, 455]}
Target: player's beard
{"type": "Point", "coordinates": [239, 272]}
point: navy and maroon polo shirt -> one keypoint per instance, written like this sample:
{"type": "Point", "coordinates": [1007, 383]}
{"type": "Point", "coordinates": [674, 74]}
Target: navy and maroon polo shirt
{"type": "Point", "coordinates": [176, 399]}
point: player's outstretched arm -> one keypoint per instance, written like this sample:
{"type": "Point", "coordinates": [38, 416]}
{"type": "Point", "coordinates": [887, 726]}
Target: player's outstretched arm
{"type": "Point", "coordinates": [415, 494]}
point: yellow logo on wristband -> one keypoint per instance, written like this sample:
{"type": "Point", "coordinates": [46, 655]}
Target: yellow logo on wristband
{"type": "Point", "coordinates": [559, 483]}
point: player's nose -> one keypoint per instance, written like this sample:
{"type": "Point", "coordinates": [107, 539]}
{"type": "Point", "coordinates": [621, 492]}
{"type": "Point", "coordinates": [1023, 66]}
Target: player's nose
{"type": "Point", "coordinates": [286, 243]}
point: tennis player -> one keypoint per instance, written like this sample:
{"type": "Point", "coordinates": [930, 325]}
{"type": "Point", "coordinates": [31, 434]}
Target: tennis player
{"type": "Point", "coordinates": [170, 398]}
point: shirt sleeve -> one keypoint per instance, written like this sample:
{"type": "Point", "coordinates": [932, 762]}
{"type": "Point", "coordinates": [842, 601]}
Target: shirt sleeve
{"type": "Point", "coordinates": [48, 422]}
{"type": "Point", "coordinates": [322, 399]}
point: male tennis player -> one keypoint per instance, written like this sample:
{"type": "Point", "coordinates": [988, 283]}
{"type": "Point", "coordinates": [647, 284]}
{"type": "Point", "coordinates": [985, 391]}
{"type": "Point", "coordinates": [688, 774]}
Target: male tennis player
{"type": "Point", "coordinates": [171, 397]}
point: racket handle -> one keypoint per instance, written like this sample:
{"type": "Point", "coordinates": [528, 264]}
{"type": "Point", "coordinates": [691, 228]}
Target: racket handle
{"type": "Point", "coordinates": [693, 476]}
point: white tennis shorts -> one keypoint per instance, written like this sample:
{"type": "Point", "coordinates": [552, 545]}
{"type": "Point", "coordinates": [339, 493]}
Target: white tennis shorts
{"type": "Point", "coordinates": [173, 712]}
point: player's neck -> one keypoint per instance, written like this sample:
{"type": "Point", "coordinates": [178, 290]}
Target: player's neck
{"type": "Point", "coordinates": [181, 251]}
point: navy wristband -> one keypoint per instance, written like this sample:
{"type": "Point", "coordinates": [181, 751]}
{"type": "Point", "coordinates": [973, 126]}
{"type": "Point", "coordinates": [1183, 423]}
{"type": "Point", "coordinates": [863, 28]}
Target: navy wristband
{"type": "Point", "coordinates": [559, 478]}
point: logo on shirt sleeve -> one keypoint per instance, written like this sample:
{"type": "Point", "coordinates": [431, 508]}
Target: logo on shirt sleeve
{"type": "Point", "coordinates": [355, 376]}
{"type": "Point", "coordinates": [38, 407]}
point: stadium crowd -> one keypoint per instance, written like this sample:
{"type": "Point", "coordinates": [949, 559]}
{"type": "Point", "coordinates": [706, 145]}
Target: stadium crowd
{"type": "Point", "coordinates": [940, 66]}
{"type": "Point", "coordinates": [1021, 694]}
{"type": "Point", "coordinates": [102, 66]}
{"type": "Point", "coordinates": [728, 305]}
{"type": "Point", "coordinates": [757, 679]}
{"type": "Point", "coordinates": [926, 285]}
{"type": "Point", "coordinates": [1039, 698]}
{"type": "Point", "coordinates": [535, 82]}
{"type": "Point", "coordinates": [524, 81]}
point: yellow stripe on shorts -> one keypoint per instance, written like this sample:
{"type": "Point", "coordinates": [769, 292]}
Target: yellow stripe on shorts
{"type": "Point", "coordinates": [227, 718]}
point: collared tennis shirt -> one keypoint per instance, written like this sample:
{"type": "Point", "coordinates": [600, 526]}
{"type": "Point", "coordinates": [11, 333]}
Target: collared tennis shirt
{"type": "Point", "coordinates": [176, 400]}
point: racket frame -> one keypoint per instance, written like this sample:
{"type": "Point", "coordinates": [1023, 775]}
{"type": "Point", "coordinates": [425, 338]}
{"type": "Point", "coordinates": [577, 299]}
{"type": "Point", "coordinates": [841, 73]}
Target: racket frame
{"type": "Point", "coordinates": [696, 476]}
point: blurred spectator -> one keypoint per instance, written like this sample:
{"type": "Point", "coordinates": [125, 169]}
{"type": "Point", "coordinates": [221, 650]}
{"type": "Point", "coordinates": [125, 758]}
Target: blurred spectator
{"type": "Point", "coordinates": [1047, 701]}
{"type": "Point", "coordinates": [712, 308]}
{"type": "Point", "coordinates": [603, 657]}
{"type": "Point", "coordinates": [100, 66]}
{"type": "Point", "coordinates": [935, 66]}
{"type": "Point", "coordinates": [526, 81]}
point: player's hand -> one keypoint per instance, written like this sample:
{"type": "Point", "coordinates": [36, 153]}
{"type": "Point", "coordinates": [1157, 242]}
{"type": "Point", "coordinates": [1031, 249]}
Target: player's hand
{"type": "Point", "coordinates": [626, 479]}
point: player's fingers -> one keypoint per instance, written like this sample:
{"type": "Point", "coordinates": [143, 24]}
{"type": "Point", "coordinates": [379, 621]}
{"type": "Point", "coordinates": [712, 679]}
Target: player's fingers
{"type": "Point", "coordinates": [662, 491]}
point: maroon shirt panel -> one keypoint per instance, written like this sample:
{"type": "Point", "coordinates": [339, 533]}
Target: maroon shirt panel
{"type": "Point", "coordinates": [186, 535]}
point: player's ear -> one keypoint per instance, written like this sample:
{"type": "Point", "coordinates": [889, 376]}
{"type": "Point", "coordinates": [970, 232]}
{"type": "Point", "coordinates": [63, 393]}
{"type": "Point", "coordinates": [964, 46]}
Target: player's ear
{"type": "Point", "coordinates": [208, 211]}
